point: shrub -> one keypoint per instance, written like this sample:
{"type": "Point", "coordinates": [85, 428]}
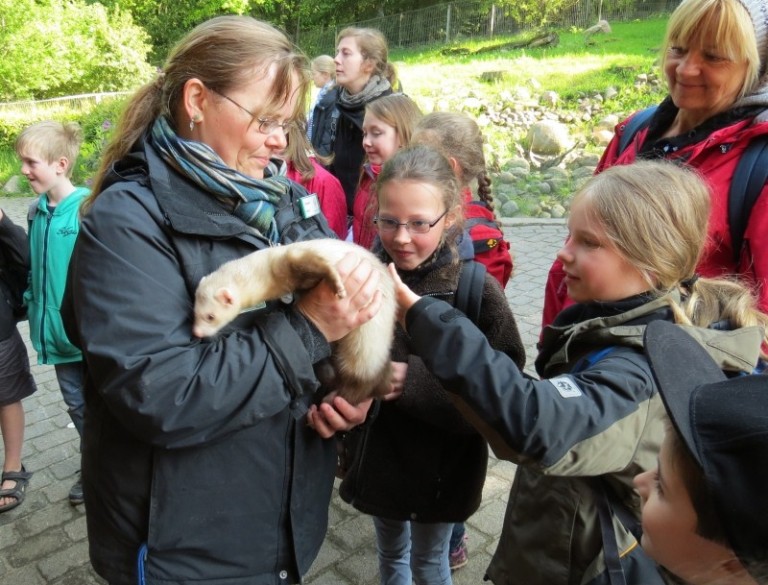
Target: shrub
{"type": "Point", "coordinates": [55, 48]}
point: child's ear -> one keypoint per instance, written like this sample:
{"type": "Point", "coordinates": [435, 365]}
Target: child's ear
{"type": "Point", "coordinates": [455, 166]}
{"type": "Point", "coordinates": [62, 165]}
{"type": "Point", "coordinates": [451, 216]}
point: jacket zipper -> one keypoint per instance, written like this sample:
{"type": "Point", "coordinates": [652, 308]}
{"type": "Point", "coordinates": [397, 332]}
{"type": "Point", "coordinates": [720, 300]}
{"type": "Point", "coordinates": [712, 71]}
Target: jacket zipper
{"type": "Point", "coordinates": [44, 286]}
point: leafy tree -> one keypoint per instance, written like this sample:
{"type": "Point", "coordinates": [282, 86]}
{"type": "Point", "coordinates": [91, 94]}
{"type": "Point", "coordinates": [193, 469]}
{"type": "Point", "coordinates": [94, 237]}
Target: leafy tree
{"type": "Point", "coordinates": [166, 21]}
{"type": "Point", "coordinates": [56, 48]}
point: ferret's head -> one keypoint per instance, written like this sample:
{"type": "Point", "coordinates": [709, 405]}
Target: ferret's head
{"type": "Point", "coordinates": [214, 308]}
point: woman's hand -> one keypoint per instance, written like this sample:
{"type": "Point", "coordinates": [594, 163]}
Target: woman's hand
{"type": "Point", "coordinates": [335, 414]}
{"type": "Point", "coordinates": [404, 296]}
{"type": "Point", "coordinates": [397, 382]}
{"type": "Point", "coordinates": [335, 317]}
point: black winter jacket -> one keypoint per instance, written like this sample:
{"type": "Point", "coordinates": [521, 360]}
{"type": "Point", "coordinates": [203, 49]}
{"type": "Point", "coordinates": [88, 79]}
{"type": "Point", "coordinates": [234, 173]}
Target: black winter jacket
{"type": "Point", "coordinates": [419, 459]}
{"type": "Point", "coordinates": [197, 449]}
{"type": "Point", "coordinates": [14, 273]}
{"type": "Point", "coordinates": [339, 131]}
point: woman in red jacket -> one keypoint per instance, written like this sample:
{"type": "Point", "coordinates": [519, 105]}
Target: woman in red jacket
{"type": "Point", "coordinates": [714, 59]}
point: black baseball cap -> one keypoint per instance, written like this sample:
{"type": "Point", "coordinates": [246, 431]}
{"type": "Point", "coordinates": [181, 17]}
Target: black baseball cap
{"type": "Point", "coordinates": [724, 423]}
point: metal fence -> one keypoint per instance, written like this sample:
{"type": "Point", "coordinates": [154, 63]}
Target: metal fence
{"type": "Point", "coordinates": [50, 107]}
{"type": "Point", "coordinates": [450, 22]}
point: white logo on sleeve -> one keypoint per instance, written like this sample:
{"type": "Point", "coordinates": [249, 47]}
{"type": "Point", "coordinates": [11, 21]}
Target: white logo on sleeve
{"type": "Point", "coordinates": [566, 386]}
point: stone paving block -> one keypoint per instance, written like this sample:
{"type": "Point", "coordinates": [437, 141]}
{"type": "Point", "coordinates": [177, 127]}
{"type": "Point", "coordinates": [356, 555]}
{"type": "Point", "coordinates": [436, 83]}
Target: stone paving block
{"type": "Point", "coordinates": [65, 560]}
{"type": "Point", "coordinates": [52, 455]}
{"type": "Point", "coordinates": [53, 516]}
{"type": "Point", "coordinates": [27, 575]}
{"type": "Point", "coordinates": [55, 437]}
{"type": "Point", "coordinates": [80, 575]}
{"type": "Point", "coordinates": [77, 529]}
{"type": "Point", "coordinates": [329, 555]}
{"type": "Point", "coordinates": [30, 549]}
{"type": "Point", "coordinates": [355, 532]}
{"type": "Point", "coordinates": [361, 567]}
{"type": "Point", "coordinates": [8, 535]}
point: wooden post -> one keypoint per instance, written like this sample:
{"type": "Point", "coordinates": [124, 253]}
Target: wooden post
{"type": "Point", "coordinates": [492, 24]}
{"type": "Point", "coordinates": [448, 25]}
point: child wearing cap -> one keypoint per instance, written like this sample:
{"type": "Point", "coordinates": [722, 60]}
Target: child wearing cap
{"type": "Point", "coordinates": [703, 509]}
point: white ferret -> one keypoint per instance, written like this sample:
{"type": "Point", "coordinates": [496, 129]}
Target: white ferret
{"type": "Point", "coordinates": [361, 359]}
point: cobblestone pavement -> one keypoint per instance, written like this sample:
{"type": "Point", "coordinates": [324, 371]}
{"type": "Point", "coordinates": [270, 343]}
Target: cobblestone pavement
{"type": "Point", "coordinates": [45, 541]}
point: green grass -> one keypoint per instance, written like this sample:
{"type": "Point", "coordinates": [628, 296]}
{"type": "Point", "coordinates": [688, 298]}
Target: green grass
{"type": "Point", "coordinates": [573, 67]}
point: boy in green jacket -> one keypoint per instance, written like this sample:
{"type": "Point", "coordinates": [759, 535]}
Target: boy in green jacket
{"type": "Point", "coordinates": [48, 151]}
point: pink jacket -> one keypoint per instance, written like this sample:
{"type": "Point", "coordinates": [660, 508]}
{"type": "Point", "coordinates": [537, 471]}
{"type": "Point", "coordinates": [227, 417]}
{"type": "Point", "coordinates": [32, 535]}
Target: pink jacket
{"type": "Point", "coordinates": [364, 208]}
{"type": "Point", "coordinates": [333, 203]}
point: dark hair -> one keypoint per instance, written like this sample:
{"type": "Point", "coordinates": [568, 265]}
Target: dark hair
{"type": "Point", "coordinates": [458, 136]}
{"type": "Point", "coordinates": [708, 524]}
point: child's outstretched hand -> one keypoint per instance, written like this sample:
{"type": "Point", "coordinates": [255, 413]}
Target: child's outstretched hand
{"type": "Point", "coordinates": [404, 296]}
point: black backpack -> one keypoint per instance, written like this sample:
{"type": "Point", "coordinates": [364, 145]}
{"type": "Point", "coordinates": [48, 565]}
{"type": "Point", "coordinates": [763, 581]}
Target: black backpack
{"type": "Point", "coordinates": [747, 183]}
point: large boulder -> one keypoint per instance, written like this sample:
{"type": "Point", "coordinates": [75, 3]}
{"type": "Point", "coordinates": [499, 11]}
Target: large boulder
{"type": "Point", "coordinates": [13, 185]}
{"type": "Point", "coordinates": [549, 137]}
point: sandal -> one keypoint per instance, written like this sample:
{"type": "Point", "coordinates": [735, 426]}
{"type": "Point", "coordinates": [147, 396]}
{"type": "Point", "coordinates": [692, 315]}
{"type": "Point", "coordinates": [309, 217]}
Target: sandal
{"type": "Point", "coordinates": [18, 491]}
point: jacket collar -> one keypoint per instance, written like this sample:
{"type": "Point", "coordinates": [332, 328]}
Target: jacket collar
{"type": "Point", "coordinates": [72, 200]}
{"type": "Point", "coordinates": [187, 208]}
{"type": "Point", "coordinates": [736, 350]}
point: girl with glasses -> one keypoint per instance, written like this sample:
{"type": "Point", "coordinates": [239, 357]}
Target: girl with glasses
{"type": "Point", "coordinates": [417, 466]}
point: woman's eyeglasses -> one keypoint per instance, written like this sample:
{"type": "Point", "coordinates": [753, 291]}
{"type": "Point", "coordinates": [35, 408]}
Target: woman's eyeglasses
{"type": "Point", "coordinates": [415, 226]}
{"type": "Point", "coordinates": [266, 126]}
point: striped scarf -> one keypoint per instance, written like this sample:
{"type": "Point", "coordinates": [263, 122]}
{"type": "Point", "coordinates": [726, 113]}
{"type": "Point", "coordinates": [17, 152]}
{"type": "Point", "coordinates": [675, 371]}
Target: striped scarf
{"type": "Point", "coordinates": [255, 200]}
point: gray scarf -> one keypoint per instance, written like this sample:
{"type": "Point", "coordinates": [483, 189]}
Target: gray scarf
{"type": "Point", "coordinates": [374, 88]}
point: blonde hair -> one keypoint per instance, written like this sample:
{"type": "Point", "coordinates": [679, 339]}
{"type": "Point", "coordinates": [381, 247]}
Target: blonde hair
{"type": "Point", "coordinates": [324, 64]}
{"type": "Point", "coordinates": [299, 150]}
{"type": "Point", "coordinates": [697, 22]}
{"type": "Point", "coordinates": [223, 53]}
{"type": "Point", "coordinates": [51, 141]}
{"type": "Point", "coordinates": [373, 47]}
{"type": "Point", "coordinates": [398, 111]}
{"type": "Point", "coordinates": [655, 214]}
{"type": "Point", "coordinates": [458, 137]}
{"type": "Point", "coordinates": [424, 164]}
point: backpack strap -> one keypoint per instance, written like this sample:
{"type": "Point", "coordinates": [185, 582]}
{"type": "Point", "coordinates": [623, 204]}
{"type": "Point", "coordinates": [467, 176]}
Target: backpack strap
{"type": "Point", "coordinates": [469, 291]}
{"type": "Point", "coordinates": [637, 122]}
{"type": "Point", "coordinates": [611, 554]}
{"type": "Point", "coordinates": [747, 184]}
{"type": "Point", "coordinates": [591, 359]}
